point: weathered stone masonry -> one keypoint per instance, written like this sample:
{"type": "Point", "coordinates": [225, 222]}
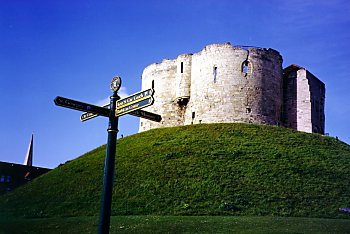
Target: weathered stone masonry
{"type": "Point", "coordinates": [303, 101]}
{"type": "Point", "coordinates": [225, 83]}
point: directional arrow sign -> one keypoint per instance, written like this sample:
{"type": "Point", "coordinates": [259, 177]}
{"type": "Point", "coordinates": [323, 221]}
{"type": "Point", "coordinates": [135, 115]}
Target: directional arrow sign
{"type": "Point", "coordinates": [146, 115]}
{"type": "Point", "coordinates": [134, 106]}
{"type": "Point", "coordinates": [138, 113]}
{"type": "Point", "coordinates": [135, 98]}
{"type": "Point", "coordinates": [76, 105]}
{"type": "Point", "coordinates": [86, 115]}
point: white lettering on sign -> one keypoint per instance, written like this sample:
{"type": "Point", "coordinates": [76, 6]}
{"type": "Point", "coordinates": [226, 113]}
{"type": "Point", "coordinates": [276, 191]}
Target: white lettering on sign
{"type": "Point", "coordinates": [134, 98]}
{"type": "Point", "coordinates": [141, 103]}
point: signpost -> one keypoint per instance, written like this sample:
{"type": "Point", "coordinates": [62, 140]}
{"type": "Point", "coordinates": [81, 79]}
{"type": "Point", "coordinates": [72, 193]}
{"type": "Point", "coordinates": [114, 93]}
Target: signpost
{"type": "Point", "coordinates": [138, 113]}
{"type": "Point", "coordinates": [134, 106]}
{"type": "Point", "coordinates": [118, 107]}
{"type": "Point", "coordinates": [146, 115]}
{"type": "Point", "coordinates": [76, 105]}
{"type": "Point", "coordinates": [88, 115]}
{"type": "Point", "coordinates": [135, 98]}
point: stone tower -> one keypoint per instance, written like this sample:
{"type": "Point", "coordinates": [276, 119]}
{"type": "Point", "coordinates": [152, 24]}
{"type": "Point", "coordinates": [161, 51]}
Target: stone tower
{"type": "Point", "coordinates": [221, 83]}
{"type": "Point", "coordinates": [303, 100]}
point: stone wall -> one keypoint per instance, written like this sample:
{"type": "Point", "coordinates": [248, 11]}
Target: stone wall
{"type": "Point", "coordinates": [304, 97]}
{"type": "Point", "coordinates": [317, 93]}
{"type": "Point", "coordinates": [163, 76]}
{"type": "Point", "coordinates": [222, 92]}
{"type": "Point", "coordinates": [289, 113]}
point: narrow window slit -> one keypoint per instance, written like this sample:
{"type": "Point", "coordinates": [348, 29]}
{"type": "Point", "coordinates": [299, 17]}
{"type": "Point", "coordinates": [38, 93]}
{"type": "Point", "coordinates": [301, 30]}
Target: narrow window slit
{"type": "Point", "coordinates": [245, 68]}
{"type": "Point", "coordinates": [215, 71]}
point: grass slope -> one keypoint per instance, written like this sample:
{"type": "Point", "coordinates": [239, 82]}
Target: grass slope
{"type": "Point", "coordinates": [178, 224]}
{"type": "Point", "coordinates": [208, 169]}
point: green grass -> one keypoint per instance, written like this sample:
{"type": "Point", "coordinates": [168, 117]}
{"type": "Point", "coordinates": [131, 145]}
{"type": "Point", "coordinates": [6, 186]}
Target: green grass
{"type": "Point", "coordinates": [199, 170]}
{"type": "Point", "coordinates": [178, 224]}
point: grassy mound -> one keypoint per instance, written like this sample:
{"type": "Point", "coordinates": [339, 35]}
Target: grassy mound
{"type": "Point", "coordinates": [207, 169]}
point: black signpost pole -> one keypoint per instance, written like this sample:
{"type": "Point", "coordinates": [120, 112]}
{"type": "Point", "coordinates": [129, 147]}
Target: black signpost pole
{"type": "Point", "coordinates": [132, 105]}
{"type": "Point", "coordinates": [108, 177]}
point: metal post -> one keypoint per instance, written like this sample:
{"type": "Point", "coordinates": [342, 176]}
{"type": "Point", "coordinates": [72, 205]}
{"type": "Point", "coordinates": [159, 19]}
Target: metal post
{"type": "Point", "coordinates": [108, 178]}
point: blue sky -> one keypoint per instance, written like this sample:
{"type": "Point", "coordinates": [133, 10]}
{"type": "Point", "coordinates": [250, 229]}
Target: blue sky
{"type": "Point", "coordinates": [74, 48]}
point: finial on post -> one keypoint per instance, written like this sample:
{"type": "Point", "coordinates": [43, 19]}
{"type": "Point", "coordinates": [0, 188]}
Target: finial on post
{"type": "Point", "coordinates": [116, 83]}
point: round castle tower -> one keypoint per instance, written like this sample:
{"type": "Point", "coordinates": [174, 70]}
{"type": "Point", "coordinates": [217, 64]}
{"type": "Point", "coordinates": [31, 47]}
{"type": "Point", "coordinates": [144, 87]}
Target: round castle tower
{"type": "Point", "coordinates": [221, 83]}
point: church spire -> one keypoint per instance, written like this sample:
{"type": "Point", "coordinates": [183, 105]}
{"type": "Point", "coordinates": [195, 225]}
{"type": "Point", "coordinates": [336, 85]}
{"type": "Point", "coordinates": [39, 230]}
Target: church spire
{"type": "Point", "coordinates": [29, 157]}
